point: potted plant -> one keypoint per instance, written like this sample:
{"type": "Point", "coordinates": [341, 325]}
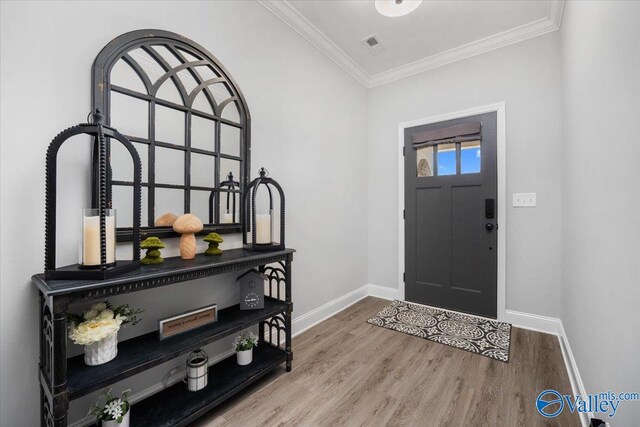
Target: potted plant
{"type": "Point", "coordinates": [244, 344]}
{"type": "Point", "coordinates": [114, 412]}
{"type": "Point", "coordinates": [97, 330]}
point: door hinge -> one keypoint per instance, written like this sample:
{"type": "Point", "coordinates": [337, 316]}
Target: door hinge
{"type": "Point", "coordinates": [404, 214]}
{"type": "Point", "coordinates": [403, 150]}
{"type": "Point", "coordinates": [404, 277]}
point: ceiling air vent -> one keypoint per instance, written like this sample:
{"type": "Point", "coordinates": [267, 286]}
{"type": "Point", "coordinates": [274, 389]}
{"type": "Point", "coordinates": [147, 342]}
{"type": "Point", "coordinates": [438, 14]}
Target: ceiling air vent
{"type": "Point", "coordinates": [373, 44]}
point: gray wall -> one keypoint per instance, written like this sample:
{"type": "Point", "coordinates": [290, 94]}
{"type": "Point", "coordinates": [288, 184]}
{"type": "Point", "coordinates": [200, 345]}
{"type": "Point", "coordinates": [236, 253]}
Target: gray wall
{"type": "Point", "coordinates": [526, 76]}
{"type": "Point", "coordinates": [601, 201]}
{"type": "Point", "coordinates": [308, 117]}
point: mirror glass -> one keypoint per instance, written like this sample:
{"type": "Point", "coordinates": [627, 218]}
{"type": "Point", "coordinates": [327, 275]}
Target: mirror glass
{"type": "Point", "coordinates": [229, 140]}
{"type": "Point", "coordinates": [169, 125]}
{"type": "Point", "coordinates": [169, 200]}
{"type": "Point", "coordinates": [130, 116]}
{"type": "Point", "coordinates": [200, 205]}
{"type": "Point", "coordinates": [181, 111]}
{"type": "Point", "coordinates": [169, 166]}
{"type": "Point", "coordinates": [202, 170]}
{"type": "Point", "coordinates": [203, 133]}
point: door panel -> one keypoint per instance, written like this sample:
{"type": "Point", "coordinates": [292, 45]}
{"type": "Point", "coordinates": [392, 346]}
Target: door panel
{"type": "Point", "coordinates": [430, 241]}
{"type": "Point", "coordinates": [450, 255]}
{"type": "Point", "coordinates": [466, 202]}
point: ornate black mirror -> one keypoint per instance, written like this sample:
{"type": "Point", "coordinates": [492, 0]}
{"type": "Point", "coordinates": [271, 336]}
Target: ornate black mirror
{"type": "Point", "coordinates": [189, 122]}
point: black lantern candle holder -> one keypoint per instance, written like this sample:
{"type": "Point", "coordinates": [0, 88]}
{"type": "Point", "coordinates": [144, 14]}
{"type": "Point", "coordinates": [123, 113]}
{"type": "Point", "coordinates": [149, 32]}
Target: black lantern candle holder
{"type": "Point", "coordinates": [101, 203]}
{"type": "Point", "coordinates": [232, 189]}
{"type": "Point", "coordinates": [258, 228]}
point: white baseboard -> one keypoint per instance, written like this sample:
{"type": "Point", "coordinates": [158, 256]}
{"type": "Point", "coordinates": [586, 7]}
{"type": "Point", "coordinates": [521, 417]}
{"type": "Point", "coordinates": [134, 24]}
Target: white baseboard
{"type": "Point", "coordinates": [577, 386]}
{"type": "Point", "coordinates": [533, 322]}
{"type": "Point", "coordinates": [384, 292]}
{"type": "Point", "coordinates": [303, 322]}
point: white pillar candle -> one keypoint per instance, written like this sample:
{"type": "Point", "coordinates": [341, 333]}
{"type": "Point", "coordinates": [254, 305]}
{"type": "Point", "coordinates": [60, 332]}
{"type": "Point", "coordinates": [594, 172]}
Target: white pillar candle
{"type": "Point", "coordinates": [91, 239]}
{"type": "Point", "coordinates": [263, 228]}
{"type": "Point", "coordinates": [227, 218]}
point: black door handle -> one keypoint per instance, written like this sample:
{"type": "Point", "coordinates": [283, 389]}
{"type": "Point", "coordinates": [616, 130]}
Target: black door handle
{"type": "Point", "coordinates": [489, 226]}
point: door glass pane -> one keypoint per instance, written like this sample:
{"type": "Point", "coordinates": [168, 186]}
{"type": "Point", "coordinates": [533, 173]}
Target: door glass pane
{"type": "Point", "coordinates": [470, 157]}
{"type": "Point", "coordinates": [446, 159]}
{"type": "Point", "coordinates": [424, 160]}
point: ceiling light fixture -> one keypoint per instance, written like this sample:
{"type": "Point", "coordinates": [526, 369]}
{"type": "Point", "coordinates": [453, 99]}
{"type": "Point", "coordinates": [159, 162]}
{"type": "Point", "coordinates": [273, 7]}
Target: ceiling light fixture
{"type": "Point", "coordinates": [393, 8]}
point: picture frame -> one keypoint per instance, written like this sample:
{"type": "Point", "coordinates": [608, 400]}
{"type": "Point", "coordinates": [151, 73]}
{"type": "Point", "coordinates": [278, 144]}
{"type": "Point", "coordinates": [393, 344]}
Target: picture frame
{"type": "Point", "coordinates": [187, 321]}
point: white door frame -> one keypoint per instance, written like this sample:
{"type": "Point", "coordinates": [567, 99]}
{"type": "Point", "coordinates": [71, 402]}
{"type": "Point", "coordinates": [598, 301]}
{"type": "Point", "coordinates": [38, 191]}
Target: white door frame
{"type": "Point", "coordinates": [499, 108]}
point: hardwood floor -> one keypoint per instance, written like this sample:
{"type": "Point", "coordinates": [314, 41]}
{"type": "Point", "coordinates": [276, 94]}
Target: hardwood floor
{"type": "Point", "coordinates": [348, 372]}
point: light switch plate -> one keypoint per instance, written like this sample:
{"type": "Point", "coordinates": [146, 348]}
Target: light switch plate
{"type": "Point", "coordinates": [524, 200]}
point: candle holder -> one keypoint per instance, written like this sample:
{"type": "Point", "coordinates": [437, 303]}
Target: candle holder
{"type": "Point", "coordinates": [98, 255]}
{"type": "Point", "coordinates": [229, 214]}
{"type": "Point", "coordinates": [259, 221]}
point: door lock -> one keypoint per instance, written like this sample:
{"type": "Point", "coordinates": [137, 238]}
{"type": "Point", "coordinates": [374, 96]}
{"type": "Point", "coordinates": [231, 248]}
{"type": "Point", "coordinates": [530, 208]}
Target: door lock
{"type": "Point", "coordinates": [489, 226]}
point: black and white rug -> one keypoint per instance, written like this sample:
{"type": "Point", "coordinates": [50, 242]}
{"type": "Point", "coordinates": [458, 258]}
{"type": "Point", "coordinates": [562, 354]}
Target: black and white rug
{"type": "Point", "coordinates": [486, 337]}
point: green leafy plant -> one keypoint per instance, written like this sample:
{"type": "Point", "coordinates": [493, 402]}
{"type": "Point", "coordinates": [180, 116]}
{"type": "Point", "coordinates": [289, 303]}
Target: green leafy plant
{"type": "Point", "coordinates": [245, 341]}
{"type": "Point", "coordinates": [113, 408]}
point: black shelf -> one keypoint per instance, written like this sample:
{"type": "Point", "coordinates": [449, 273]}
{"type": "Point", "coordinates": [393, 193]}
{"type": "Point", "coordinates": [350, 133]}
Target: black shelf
{"type": "Point", "coordinates": [172, 270]}
{"type": "Point", "coordinates": [146, 351]}
{"type": "Point", "coordinates": [176, 406]}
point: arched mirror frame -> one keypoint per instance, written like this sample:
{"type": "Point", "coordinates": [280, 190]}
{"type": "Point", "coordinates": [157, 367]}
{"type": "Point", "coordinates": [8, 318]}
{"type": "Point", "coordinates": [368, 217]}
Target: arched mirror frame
{"type": "Point", "coordinates": [118, 49]}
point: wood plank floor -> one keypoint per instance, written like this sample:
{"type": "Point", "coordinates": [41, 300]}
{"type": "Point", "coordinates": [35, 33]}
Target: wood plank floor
{"type": "Point", "coordinates": [347, 372]}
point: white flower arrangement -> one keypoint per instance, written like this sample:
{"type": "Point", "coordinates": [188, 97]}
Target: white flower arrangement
{"type": "Point", "coordinates": [245, 341]}
{"type": "Point", "coordinates": [100, 322]}
{"type": "Point", "coordinates": [114, 408]}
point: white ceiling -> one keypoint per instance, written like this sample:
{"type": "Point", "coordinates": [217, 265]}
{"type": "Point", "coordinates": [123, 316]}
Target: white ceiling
{"type": "Point", "coordinates": [435, 34]}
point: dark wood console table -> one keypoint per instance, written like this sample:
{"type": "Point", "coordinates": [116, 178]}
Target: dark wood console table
{"type": "Point", "coordinates": [62, 379]}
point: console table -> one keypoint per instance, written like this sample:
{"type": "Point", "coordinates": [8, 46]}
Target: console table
{"type": "Point", "coordinates": [62, 379]}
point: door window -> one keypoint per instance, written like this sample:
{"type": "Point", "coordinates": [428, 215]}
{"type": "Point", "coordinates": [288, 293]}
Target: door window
{"type": "Point", "coordinates": [450, 158]}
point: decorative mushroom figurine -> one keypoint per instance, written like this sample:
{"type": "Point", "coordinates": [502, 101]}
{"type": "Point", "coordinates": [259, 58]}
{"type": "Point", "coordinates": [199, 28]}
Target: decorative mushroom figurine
{"type": "Point", "coordinates": [214, 240]}
{"type": "Point", "coordinates": [187, 225]}
{"type": "Point", "coordinates": [153, 246]}
{"type": "Point", "coordinates": [166, 220]}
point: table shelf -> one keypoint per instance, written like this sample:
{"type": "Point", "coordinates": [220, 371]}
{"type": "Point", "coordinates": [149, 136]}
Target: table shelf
{"type": "Point", "coordinates": [176, 406]}
{"type": "Point", "coordinates": [146, 351]}
{"type": "Point", "coordinates": [63, 379]}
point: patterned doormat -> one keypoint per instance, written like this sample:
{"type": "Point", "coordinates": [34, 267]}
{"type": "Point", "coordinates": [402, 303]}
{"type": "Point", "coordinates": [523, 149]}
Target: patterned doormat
{"type": "Point", "coordinates": [486, 337]}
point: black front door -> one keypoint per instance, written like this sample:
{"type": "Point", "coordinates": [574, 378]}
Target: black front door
{"type": "Point", "coordinates": [451, 215]}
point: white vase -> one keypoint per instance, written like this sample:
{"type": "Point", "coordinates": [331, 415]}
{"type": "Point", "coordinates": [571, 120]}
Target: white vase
{"type": "Point", "coordinates": [244, 357]}
{"type": "Point", "coordinates": [102, 351]}
{"type": "Point", "coordinates": [114, 423]}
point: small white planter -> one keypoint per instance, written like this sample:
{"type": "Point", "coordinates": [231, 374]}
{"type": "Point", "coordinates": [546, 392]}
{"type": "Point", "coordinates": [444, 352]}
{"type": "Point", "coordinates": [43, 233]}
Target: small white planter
{"type": "Point", "coordinates": [102, 351]}
{"type": "Point", "coordinates": [114, 423]}
{"type": "Point", "coordinates": [244, 357]}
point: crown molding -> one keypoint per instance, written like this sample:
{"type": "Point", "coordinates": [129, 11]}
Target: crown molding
{"type": "Point", "coordinates": [287, 13]}
{"type": "Point", "coordinates": [293, 18]}
{"type": "Point", "coordinates": [477, 47]}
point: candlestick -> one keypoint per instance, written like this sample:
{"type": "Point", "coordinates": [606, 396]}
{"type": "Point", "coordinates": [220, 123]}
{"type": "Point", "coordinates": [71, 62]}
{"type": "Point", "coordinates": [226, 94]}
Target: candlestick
{"type": "Point", "coordinates": [263, 228]}
{"type": "Point", "coordinates": [91, 236]}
